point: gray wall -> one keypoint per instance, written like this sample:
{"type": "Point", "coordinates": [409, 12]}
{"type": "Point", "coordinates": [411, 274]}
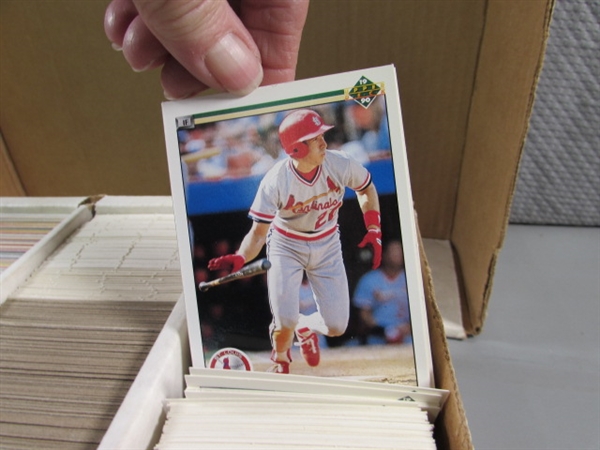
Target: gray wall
{"type": "Point", "coordinates": [559, 179]}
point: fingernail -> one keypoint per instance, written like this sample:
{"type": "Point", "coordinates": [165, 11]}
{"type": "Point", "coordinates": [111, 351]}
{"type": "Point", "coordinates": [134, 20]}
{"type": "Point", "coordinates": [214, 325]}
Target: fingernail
{"type": "Point", "coordinates": [234, 66]}
{"type": "Point", "coordinates": [170, 96]}
{"type": "Point", "coordinates": [144, 69]}
{"type": "Point", "coordinates": [116, 47]}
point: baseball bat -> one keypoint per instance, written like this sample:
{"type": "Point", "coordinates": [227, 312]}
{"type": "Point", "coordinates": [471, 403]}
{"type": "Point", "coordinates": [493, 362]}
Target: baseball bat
{"type": "Point", "coordinates": [249, 270]}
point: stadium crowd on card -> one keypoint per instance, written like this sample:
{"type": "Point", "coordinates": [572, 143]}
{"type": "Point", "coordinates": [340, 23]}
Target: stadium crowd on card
{"type": "Point", "coordinates": [250, 146]}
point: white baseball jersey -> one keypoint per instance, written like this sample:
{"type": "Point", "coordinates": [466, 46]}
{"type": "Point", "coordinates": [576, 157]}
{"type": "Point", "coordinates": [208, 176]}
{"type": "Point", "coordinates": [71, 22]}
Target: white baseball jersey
{"type": "Point", "coordinates": [304, 209]}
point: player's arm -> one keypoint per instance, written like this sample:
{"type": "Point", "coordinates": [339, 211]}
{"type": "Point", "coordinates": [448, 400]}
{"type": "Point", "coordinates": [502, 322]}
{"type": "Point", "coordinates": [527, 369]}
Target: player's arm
{"type": "Point", "coordinates": [368, 199]}
{"type": "Point", "coordinates": [249, 249]}
{"type": "Point", "coordinates": [369, 205]}
{"type": "Point", "coordinates": [254, 241]}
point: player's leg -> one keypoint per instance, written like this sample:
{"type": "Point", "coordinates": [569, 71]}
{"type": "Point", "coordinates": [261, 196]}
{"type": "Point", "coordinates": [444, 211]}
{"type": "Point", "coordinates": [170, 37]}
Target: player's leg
{"type": "Point", "coordinates": [283, 281]}
{"type": "Point", "coordinates": [328, 279]}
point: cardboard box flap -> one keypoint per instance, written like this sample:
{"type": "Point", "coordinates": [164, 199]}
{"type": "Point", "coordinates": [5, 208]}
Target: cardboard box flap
{"type": "Point", "coordinates": [509, 65]}
{"type": "Point", "coordinates": [441, 260]}
{"type": "Point", "coordinates": [451, 428]}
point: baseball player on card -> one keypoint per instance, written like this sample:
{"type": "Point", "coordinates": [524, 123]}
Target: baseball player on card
{"type": "Point", "coordinates": [295, 213]}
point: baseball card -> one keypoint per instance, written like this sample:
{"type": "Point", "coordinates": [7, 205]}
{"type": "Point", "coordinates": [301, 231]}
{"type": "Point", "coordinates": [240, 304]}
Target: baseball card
{"type": "Point", "coordinates": [296, 232]}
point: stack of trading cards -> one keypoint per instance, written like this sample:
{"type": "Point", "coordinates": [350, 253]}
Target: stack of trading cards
{"type": "Point", "coordinates": [126, 257]}
{"type": "Point", "coordinates": [23, 223]}
{"type": "Point", "coordinates": [76, 332]}
{"type": "Point", "coordinates": [262, 410]}
{"type": "Point", "coordinates": [301, 272]}
{"type": "Point", "coordinates": [21, 232]}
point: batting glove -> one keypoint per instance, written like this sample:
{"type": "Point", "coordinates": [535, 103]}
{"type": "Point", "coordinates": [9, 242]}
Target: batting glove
{"type": "Point", "coordinates": [373, 237]}
{"type": "Point", "coordinates": [372, 220]}
{"type": "Point", "coordinates": [235, 262]}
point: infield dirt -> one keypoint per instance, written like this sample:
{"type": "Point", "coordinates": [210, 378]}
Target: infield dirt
{"type": "Point", "coordinates": [392, 364]}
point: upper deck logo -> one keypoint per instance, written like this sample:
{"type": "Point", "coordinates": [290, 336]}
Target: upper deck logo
{"type": "Point", "coordinates": [365, 91]}
{"type": "Point", "coordinates": [230, 359]}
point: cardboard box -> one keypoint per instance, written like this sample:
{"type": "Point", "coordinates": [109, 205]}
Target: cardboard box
{"type": "Point", "coordinates": [467, 74]}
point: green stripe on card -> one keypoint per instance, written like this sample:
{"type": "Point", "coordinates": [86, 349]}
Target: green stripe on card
{"type": "Point", "coordinates": [274, 106]}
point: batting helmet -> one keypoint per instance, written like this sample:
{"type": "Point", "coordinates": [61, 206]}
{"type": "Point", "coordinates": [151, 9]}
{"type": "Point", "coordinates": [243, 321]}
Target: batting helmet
{"type": "Point", "coordinates": [298, 127]}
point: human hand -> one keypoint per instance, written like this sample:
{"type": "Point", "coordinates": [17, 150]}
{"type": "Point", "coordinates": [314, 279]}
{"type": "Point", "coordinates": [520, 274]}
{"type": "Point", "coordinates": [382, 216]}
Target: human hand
{"type": "Point", "coordinates": [203, 44]}
{"type": "Point", "coordinates": [372, 220]}
{"type": "Point", "coordinates": [234, 262]}
{"type": "Point", "coordinates": [373, 238]}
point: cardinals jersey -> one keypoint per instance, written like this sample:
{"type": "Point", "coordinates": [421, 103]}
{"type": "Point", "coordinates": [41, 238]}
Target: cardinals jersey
{"type": "Point", "coordinates": [305, 209]}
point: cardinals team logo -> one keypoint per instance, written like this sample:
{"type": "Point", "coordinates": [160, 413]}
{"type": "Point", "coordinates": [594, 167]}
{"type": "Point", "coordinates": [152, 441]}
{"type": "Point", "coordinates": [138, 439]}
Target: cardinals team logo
{"type": "Point", "coordinates": [230, 359]}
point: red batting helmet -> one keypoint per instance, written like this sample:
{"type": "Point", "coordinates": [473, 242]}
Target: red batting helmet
{"type": "Point", "coordinates": [298, 127]}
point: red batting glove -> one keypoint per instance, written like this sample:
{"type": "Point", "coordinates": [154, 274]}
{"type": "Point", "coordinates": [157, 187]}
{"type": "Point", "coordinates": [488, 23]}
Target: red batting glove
{"type": "Point", "coordinates": [372, 220]}
{"type": "Point", "coordinates": [235, 262]}
{"type": "Point", "coordinates": [373, 237]}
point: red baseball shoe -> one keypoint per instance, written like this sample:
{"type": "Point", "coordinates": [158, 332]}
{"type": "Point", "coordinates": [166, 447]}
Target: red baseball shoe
{"type": "Point", "coordinates": [280, 366]}
{"type": "Point", "coordinates": [309, 346]}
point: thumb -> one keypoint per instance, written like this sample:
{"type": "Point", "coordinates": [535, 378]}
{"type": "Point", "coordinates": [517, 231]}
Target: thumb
{"type": "Point", "coordinates": [208, 39]}
{"type": "Point", "coordinates": [364, 242]}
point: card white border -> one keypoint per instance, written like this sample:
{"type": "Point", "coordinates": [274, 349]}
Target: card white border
{"type": "Point", "coordinates": [294, 90]}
